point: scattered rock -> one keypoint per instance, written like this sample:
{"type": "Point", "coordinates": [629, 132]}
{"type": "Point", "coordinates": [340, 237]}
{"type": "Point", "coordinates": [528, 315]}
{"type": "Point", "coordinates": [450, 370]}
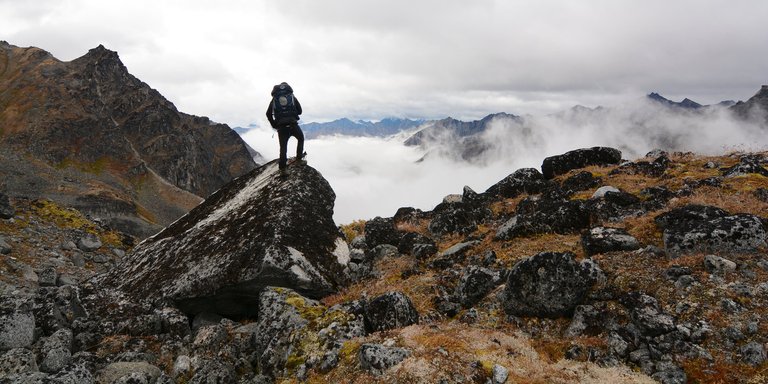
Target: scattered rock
{"type": "Point", "coordinates": [377, 358]}
{"type": "Point", "coordinates": [546, 216]}
{"type": "Point", "coordinates": [747, 165]}
{"type": "Point", "coordinates": [388, 311]}
{"type": "Point", "coordinates": [89, 243]}
{"type": "Point", "coordinates": [474, 285]}
{"type": "Point", "coordinates": [7, 211]}
{"type": "Point", "coordinates": [602, 240]}
{"type": "Point", "coordinates": [524, 180]}
{"type": "Point", "coordinates": [381, 231]}
{"type": "Point", "coordinates": [17, 326]}
{"type": "Point", "coordinates": [753, 353]}
{"type": "Point", "coordinates": [5, 248]}
{"type": "Point", "coordinates": [600, 192]}
{"type": "Point", "coordinates": [16, 361]}
{"type": "Point", "coordinates": [548, 285]}
{"type": "Point", "coordinates": [410, 240]}
{"type": "Point", "coordinates": [129, 372]}
{"type": "Point", "coordinates": [47, 277]}
{"type": "Point", "coordinates": [654, 168]}
{"type": "Point", "coordinates": [647, 315]}
{"type": "Point", "coordinates": [718, 265]}
{"type": "Point", "coordinates": [579, 158]}
{"type": "Point", "coordinates": [581, 181]}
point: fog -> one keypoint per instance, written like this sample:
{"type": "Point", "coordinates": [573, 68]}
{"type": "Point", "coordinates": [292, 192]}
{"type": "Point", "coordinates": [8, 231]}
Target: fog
{"type": "Point", "coordinates": [376, 176]}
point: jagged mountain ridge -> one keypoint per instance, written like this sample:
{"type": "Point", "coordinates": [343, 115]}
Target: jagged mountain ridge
{"type": "Point", "coordinates": [345, 126]}
{"type": "Point", "coordinates": [92, 118]}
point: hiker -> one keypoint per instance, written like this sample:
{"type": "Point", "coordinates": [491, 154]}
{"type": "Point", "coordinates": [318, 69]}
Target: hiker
{"type": "Point", "coordinates": [283, 114]}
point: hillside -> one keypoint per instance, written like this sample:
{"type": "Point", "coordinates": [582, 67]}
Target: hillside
{"type": "Point", "coordinates": [90, 135]}
{"type": "Point", "coordinates": [592, 270]}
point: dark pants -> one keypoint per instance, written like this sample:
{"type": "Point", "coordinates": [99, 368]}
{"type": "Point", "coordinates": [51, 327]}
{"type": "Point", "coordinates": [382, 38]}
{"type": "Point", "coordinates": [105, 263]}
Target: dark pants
{"type": "Point", "coordinates": [284, 132]}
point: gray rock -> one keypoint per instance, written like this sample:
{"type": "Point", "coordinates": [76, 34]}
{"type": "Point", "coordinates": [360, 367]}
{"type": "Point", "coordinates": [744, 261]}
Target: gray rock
{"type": "Point", "coordinates": [388, 311]}
{"type": "Point", "coordinates": [384, 250]}
{"type": "Point", "coordinates": [118, 252]}
{"type": "Point", "coordinates": [600, 192]}
{"type": "Point", "coordinates": [524, 180]}
{"type": "Point", "coordinates": [58, 351]}
{"type": "Point", "coordinates": [259, 230]}
{"type": "Point", "coordinates": [17, 329]}
{"type": "Point", "coordinates": [7, 211]}
{"type": "Point", "coordinates": [458, 250]}
{"type": "Point", "coordinates": [65, 279]}
{"type": "Point", "coordinates": [47, 277]}
{"type": "Point", "coordinates": [696, 228]}
{"type": "Point", "coordinates": [182, 366]}
{"type": "Point", "coordinates": [129, 372]}
{"type": "Point", "coordinates": [210, 337]}
{"type": "Point", "coordinates": [69, 246]}
{"type": "Point", "coordinates": [474, 284]}
{"type": "Point", "coordinates": [78, 260]}
{"type": "Point", "coordinates": [648, 316]}
{"type": "Point", "coordinates": [278, 320]}
{"type": "Point", "coordinates": [73, 374]}
{"type": "Point", "coordinates": [5, 248]}
{"type": "Point", "coordinates": [753, 353]}
{"type": "Point", "coordinates": [602, 240]}
{"type": "Point", "coordinates": [718, 265]}
{"type": "Point", "coordinates": [381, 231]}
{"type": "Point", "coordinates": [499, 374]}
{"type": "Point", "coordinates": [213, 371]}
{"type": "Point", "coordinates": [16, 361]}
{"type": "Point", "coordinates": [669, 373]}
{"type": "Point", "coordinates": [89, 243]}
{"type": "Point", "coordinates": [548, 285]}
{"type": "Point", "coordinates": [377, 358]}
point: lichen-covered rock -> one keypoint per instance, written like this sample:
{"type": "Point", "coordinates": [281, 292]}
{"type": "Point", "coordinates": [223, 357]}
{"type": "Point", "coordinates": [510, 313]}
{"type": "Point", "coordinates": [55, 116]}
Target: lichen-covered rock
{"type": "Point", "coordinates": [17, 324]}
{"type": "Point", "coordinates": [746, 165]}
{"type": "Point", "coordinates": [388, 311]}
{"type": "Point", "coordinates": [579, 158]}
{"type": "Point", "coordinates": [581, 181]}
{"type": "Point", "coordinates": [601, 240]}
{"type": "Point", "coordinates": [129, 372]}
{"type": "Point", "coordinates": [647, 314]}
{"type": "Point", "coordinates": [474, 284]}
{"type": "Point", "coordinates": [710, 229]}
{"type": "Point", "coordinates": [546, 216]}
{"type": "Point", "coordinates": [380, 230]}
{"type": "Point", "coordinates": [457, 217]}
{"type": "Point", "coordinates": [524, 180]}
{"type": "Point", "coordinates": [718, 265]}
{"type": "Point", "coordinates": [57, 350]}
{"type": "Point", "coordinates": [259, 230]}
{"type": "Point", "coordinates": [377, 358]}
{"type": "Point", "coordinates": [548, 284]}
{"type": "Point", "coordinates": [753, 353]}
{"type": "Point", "coordinates": [410, 239]}
{"type": "Point", "coordinates": [279, 319]}
{"type": "Point", "coordinates": [16, 361]}
{"type": "Point", "coordinates": [5, 248]}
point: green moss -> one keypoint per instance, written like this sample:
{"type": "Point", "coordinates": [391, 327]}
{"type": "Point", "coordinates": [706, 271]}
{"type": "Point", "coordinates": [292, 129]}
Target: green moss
{"type": "Point", "coordinates": [348, 351]}
{"type": "Point", "coordinates": [62, 217]}
{"type": "Point", "coordinates": [294, 361]}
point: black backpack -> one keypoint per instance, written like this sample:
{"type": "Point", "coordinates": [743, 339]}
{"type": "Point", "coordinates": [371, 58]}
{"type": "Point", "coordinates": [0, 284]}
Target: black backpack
{"type": "Point", "coordinates": [284, 104]}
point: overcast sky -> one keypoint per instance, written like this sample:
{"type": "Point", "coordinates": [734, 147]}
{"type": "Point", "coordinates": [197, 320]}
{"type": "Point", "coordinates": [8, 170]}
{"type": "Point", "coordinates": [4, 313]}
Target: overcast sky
{"type": "Point", "coordinates": [409, 58]}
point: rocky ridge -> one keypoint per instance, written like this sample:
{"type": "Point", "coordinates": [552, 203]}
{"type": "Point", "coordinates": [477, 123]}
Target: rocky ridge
{"type": "Point", "coordinates": [96, 138]}
{"type": "Point", "coordinates": [661, 269]}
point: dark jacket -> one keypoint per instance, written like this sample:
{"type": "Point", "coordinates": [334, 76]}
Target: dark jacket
{"type": "Point", "coordinates": [270, 110]}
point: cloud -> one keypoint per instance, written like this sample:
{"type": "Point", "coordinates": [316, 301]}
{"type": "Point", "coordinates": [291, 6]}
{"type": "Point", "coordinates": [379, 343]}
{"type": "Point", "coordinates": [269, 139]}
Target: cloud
{"type": "Point", "coordinates": [376, 176]}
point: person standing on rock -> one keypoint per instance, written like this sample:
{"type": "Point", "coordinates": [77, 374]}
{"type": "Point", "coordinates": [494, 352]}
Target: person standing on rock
{"type": "Point", "coordinates": [283, 114]}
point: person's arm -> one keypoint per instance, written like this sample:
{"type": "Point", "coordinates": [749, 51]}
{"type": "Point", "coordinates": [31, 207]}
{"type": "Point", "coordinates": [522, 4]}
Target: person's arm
{"type": "Point", "coordinates": [298, 105]}
{"type": "Point", "coordinates": [269, 115]}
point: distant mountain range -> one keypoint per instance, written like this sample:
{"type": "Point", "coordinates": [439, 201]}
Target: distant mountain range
{"type": "Point", "coordinates": [385, 127]}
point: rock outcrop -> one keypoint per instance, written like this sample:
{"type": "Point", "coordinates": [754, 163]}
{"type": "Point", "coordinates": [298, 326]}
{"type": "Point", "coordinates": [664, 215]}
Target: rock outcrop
{"type": "Point", "coordinates": [259, 230]}
{"type": "Point", "coordinates": [579, 158]}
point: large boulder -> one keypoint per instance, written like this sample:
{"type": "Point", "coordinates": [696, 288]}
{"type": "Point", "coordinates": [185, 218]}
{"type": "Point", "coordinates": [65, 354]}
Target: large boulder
{"type": "Point", "coordinates": [377, 358]}
{"type": "Point", "coordinates": [543, 215]}
{"type": "Point", "coordinates": [549, 284]}
{"type": "Point", "coordinates": [262, 229]}
{"type": "Point", "coordinates": [696, 228]}
{"type": "Point", "coordinates": [379, 231]}
{"type": "Point", "coordinates": [388, 311]}
{"type": "Point", "coordinates": [17, 323]}
{"type": "Point", "coordinates": [524, 180]}
{"type": "Point", "coordinates": [579, 158]}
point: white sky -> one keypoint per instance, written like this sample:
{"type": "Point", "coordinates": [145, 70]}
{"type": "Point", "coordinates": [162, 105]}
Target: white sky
{"type": "Point", "coordinates": [369, 59]}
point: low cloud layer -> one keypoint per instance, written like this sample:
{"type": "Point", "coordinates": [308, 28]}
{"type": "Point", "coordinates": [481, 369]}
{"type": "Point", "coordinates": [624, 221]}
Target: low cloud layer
{"type": "Point", "coordinates": [375, 176]}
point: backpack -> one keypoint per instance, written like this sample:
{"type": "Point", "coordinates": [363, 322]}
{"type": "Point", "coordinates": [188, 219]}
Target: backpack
{"type": "Point", "coordinates": [284, 104]}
